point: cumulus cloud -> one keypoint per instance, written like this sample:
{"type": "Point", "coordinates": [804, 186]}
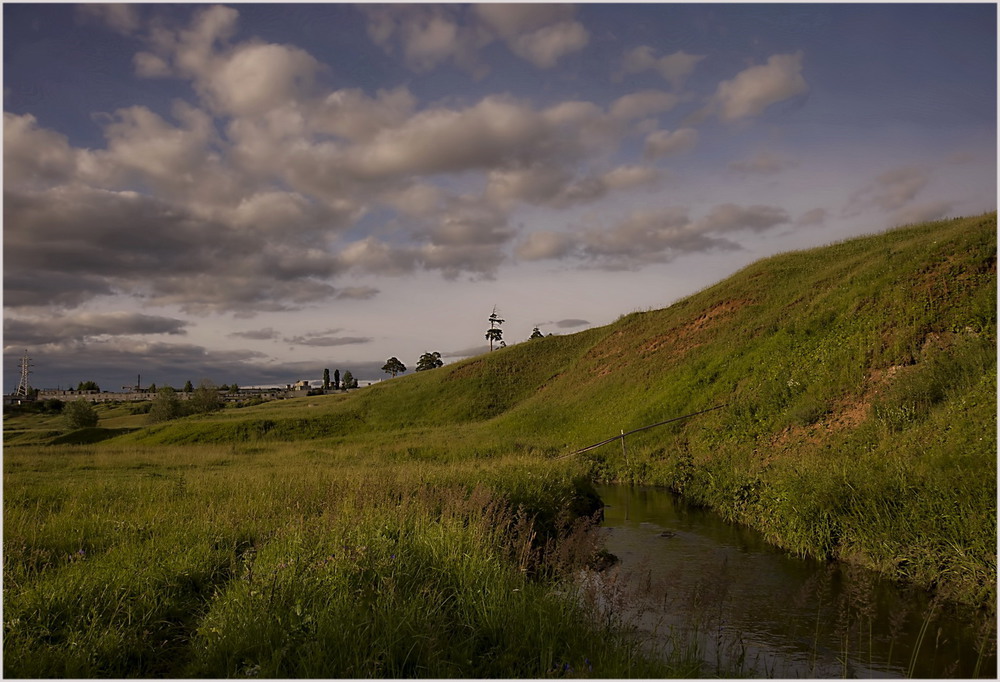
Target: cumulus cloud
{"type": "Point", "coordinates": [545, 244]}
{"type": "Point", "coordinates": [556, 186]}
{"type": "Point", "coordinates": [751, 91]}
{"type": "Point", "coordinates": [675, 68]}
{"type": "Point", "coordinates": [547, 45]}
{"type": "Point", "coordinates": [263, 190]}
{"type": "Point", "coordinates": [244, 79]}
{"type": "Point", "coordinates": [662, 143]}
{"type": "Point", "coordinates": [495, 131]}
{"type": "Point", "coordinates": [33, 156]}
{"type": "Point", "coordinates": [428, 36]}
{"type": "Point", "coordinates": [513, 19]}
{"type": "Point", "coordinates": [643, 103]}
{"type": "Point", "coordinates": [123, 18]}
{"type": "Point", "coordinates": [133, 244]}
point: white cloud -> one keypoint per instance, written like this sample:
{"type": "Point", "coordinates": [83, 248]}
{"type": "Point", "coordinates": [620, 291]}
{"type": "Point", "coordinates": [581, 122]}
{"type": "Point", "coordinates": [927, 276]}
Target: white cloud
{"type": "Point", "coordinates": [730, 217]}
{"type": "Point", "coordinates": [428, 36]}
{"type": "Point", "coordinates": [675, 68]}
{"type": "Point", "coordinates": [255, 78]}
{"type": "Point", "coordinates": [627, 177]}
{"type": "Point", "coordinates": [34, 156]}
{"type": "Point", "coordinates": [643, 103]}
{"type": "Point", "coordinates": [511, 19]}
{"type": "Point", "coordinates": [353, 115]}
{"type": "Point", "coordinates": [754, 89]}
{"type": "Point", "coordinates": [120, 17]}
{"type": "Point", "coordinates": [662, 143]}
{"type": "Point", "coordinates": [495, 131]}
{"type": "Point", "coordinates": [545, 244]}
{"type": "Point", "coordinates": [545, 46]}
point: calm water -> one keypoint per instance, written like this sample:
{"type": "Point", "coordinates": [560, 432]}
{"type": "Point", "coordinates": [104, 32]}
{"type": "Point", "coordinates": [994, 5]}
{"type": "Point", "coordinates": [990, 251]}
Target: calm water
{"type": "Point", "coordinates": [687, 575]}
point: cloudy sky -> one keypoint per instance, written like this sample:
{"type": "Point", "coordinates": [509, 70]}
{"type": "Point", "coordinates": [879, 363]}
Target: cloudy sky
{"type": "Point", "coordinates": [254, 193]}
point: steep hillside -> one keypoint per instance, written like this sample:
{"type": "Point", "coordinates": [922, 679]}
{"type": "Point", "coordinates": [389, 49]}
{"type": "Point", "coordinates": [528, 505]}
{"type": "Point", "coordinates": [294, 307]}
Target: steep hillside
{"type": "Point", "coordinates": [859, 384]}
{"type": "Point", "coordinates": [795, 341]}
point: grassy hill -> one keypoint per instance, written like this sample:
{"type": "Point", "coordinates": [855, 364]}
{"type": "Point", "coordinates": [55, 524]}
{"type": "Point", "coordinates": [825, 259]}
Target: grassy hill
{"type": "Point", "coordinates": [427, 526]}
{"type": "Point", "coordinates": [859, 385]}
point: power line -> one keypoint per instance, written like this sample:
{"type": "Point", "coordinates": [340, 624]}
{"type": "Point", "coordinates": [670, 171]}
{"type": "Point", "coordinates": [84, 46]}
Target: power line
{"type": "Point", "coordinates": [641, 428]}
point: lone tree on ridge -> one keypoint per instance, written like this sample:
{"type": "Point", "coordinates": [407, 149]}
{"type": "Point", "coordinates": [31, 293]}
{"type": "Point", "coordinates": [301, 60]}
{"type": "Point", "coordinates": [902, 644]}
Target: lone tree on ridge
{"type": "Point", "coordinates": [429, 361]}
{"type": "Point", "coordinates": [393, 366]}
{"type": "Point", "coordinates": [494, 333]}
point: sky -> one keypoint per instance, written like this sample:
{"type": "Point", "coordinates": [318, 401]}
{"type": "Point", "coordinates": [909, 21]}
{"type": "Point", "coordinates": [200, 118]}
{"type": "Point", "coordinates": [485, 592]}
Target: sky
{"type": "Point", "coordinates": [253, 193]}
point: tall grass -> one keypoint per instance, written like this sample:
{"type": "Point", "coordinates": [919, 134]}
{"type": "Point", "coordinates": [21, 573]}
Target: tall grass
{"type": "Point", "coordinates": [195, 562]}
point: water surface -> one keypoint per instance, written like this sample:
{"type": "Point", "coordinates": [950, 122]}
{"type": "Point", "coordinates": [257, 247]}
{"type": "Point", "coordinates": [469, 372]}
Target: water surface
{"type": "Point", "coordinates": [686, 575]}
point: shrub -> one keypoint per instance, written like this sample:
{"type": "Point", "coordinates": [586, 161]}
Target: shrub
{"type": "Point", "coordinates": [79, 414]}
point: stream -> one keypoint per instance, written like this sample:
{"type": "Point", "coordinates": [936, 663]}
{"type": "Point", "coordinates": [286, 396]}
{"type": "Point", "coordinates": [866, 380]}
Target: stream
{"type": "Point", "coordinates": [687, 578]}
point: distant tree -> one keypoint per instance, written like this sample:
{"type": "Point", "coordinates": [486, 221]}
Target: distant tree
{"type": "Point", "coordinates": [88, 386]}
{"type": "Point", "coordinates": [429, 361]}
{"type": "Point", "coordinates": [535, 334]}
{"type": "Point", "coordinates": [326, 380]}
{"type": "Point", "coordinates": [79, 414]}
{"type": "Point", "coordinates": [224, 387]}
{"type": "Point", "coordinates": [152, 388]}
{"type": "Point", "coordinates": [349, 381]}
{"type": "Point", "coordinates": [188, 388]}
{"type": "Point", "coordinates": [205, 398]}
{"type": "Point", "coordinates": [233, 388]}
{"type": "Point", "coordinates": [336, 379]}
{"type": "Point", "coordinates": [393, 366]}
{"type": "Point", "coordinates": [494, 334]}
{"type": "Point", "coordinates": [165, 406]}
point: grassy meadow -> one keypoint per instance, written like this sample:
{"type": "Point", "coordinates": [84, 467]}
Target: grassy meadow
{"type": "Point", "coordinates": [281, 561]}
{"type": "Point", "coordinates": [430, 526]}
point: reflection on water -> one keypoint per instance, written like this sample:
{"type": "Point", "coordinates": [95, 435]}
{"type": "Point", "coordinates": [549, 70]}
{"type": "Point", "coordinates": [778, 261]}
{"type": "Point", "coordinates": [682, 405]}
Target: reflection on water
{"type": "Point", "coordinates": [687, 576]}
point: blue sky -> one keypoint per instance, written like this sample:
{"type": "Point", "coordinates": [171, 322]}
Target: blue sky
{"type": "Point", "coordinates": [252, 193]}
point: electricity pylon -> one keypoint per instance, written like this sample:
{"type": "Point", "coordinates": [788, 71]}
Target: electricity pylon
{"type": "Point", "coordinates": [22, 388]}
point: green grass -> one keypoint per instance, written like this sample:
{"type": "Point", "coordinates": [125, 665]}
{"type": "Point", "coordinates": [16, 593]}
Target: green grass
{"type": "Point", "coordinates": [859, 381]}
{"type": "Point", "coordinates": [279, 563]}
{"type": "Point", "coordinates": [861, 375]}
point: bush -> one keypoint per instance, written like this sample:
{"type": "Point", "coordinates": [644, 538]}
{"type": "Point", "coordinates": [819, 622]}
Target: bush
{"type": "Point", "coordinates": [166, 406]}
{"type": "Point", "coordinates": [79, 414]}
